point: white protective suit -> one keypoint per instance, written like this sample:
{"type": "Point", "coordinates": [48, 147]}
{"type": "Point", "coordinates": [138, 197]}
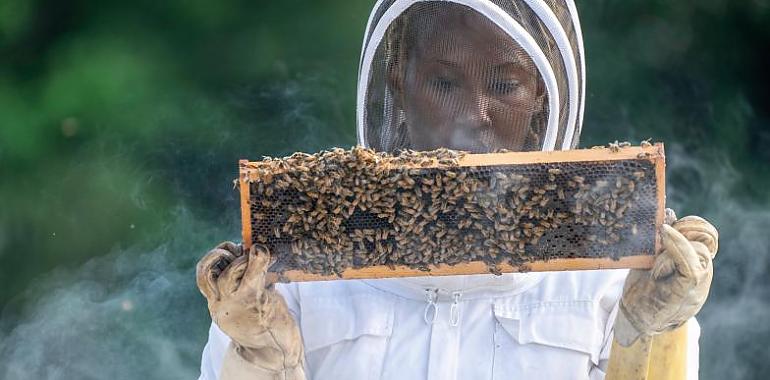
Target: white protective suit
{"type": "Point", "coordinates": [515, 326]}
{"type": "Point", "coordinates": [555, 325]}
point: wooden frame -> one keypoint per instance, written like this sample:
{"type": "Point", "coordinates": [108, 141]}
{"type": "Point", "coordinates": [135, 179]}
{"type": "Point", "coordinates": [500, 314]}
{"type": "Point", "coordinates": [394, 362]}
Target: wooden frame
{"type": "Point", "coordinates": [653, 153]}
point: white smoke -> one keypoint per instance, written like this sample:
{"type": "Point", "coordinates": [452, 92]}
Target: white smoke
{"type": "Point", "coordinates": [734, 332]}
{"type": "Point", "coordinates": [131, 314]}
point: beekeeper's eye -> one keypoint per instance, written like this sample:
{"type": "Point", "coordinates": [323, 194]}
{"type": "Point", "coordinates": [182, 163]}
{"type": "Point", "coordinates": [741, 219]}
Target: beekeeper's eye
{"type": "Point", "coordinates": [444, 84]}
{"type": "Point", "coordinates": [504, 87]}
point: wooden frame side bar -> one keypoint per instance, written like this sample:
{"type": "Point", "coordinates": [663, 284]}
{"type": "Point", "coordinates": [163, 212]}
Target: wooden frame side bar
{"type": "Point", "coordinates": [660, 181]}
{"type": "Point", "coordinates": [244, 186]}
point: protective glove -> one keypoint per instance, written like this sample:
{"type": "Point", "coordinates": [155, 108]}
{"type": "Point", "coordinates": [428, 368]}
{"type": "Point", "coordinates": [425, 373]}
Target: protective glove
{"type": "Point", "coordinates": [675, 289]}
{"type": "Point", "coordinates": [266, 342]}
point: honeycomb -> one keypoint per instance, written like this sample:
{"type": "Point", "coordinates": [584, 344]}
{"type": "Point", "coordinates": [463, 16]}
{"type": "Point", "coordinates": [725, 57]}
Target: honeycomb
{"type": "Point", "coordinates": [337, 210]}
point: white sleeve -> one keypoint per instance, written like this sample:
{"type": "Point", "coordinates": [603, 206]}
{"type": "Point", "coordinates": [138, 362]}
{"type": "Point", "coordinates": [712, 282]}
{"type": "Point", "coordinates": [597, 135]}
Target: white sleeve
{"type": "Point", "coordinates": [610, 304]}
{"type": "Point", "coordinates": [213, 353]}
{"type": "Point", "coordinates": [598, 372]}
{"type": "Point", "coordinates": [290, 294]}
{"type": "Point", "coordinates": [693, 349]}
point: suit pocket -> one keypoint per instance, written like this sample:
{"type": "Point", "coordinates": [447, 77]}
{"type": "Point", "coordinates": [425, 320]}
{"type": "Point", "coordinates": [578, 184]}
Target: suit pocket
{"type": "Point", "coordinates": [554, 340]}
{"type": "Point", "coordinates": [346, 337]}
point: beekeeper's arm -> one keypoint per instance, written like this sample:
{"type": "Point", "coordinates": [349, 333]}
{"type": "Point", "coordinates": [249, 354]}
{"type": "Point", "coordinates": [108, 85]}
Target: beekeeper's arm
{"type": "Point", "coordinates": [265, 342]}
{"type": "Point", "coordinates": [675, 289]}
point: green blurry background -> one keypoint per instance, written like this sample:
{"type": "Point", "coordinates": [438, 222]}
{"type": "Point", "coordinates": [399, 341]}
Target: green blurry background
{"type": "Point", "coordinates": [121, 124]}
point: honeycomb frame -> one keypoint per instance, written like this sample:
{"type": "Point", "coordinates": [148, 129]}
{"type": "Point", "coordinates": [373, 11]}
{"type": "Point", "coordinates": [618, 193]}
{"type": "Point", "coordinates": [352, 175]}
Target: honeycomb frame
{"type": "Point", "coordinates": [551, 163]}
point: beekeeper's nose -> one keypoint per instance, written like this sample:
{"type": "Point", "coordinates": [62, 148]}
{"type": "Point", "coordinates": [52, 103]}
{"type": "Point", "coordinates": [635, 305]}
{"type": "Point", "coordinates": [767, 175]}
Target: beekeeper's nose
{"type": "Point", "coordinates": [475, 112]}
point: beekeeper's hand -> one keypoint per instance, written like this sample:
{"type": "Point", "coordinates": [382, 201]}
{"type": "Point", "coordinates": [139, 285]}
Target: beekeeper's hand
{"type": "Point", "coordinates": [266, 342]}
{"type": "Point", "coordinates": [675, 289]}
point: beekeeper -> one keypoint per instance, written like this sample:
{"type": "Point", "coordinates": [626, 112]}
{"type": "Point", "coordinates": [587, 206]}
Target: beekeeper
{"type": "Point", "coordinates": [478, 76]}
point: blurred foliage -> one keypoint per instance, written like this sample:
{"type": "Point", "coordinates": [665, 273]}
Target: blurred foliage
{"type": "Point", "coordinates": [112, 113]}
{"type": "Point", "coordinates": [115, 114]}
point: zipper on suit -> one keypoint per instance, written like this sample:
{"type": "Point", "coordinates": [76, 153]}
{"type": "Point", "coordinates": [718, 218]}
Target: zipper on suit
{"type": "Point", "coordinates": [454, 310]}
{"type": "Point", "coordinates": [431, 308]}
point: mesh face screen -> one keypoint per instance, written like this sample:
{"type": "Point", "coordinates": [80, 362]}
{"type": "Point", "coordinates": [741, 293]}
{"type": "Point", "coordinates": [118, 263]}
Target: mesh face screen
{"type": "Point", "coordinates": [471, 75]}
{"type": "Point", "coordinates": [350, 209]}
{"type": "Point", "coordinates": [446, 76]}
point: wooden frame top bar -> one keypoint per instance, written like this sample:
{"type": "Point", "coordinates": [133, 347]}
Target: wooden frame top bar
{"type": "Point", "coordinates": [650, 152]}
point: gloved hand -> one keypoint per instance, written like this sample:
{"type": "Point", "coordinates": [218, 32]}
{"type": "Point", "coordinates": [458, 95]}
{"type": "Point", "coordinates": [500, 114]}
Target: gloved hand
{"type": "Point", "coordinates": [266, 342]}
{"type": "Point", "coordinates": [675, 289]}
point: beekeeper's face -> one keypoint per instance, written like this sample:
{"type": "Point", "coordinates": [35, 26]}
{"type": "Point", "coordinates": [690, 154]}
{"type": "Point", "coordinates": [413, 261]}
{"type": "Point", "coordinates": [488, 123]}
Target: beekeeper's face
{"type": "Point", "coordinates": [464, 84]}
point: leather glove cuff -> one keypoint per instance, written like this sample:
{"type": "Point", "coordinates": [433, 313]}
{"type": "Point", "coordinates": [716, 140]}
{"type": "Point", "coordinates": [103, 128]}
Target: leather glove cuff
{"type": "Point", "coordinates": [241, 363]}
{"type": "Point", "coordinates": [625, 331]}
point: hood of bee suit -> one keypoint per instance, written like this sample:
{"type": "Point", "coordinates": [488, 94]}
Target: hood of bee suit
{"type": "Point", "coordinates": [400, 91]}
{"type": "Point", "coordinates": [492, 48]}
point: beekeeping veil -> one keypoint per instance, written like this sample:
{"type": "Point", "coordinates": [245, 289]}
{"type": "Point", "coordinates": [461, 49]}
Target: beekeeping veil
{"type": "Point", "coordinates": [477, 75]}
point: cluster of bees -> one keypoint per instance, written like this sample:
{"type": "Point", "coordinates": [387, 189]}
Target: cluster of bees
{"type": "Point", "coordinates": [342, 209]}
